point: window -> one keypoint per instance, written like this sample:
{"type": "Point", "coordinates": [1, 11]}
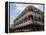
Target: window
{"type": "Point", "coordinates": [43, 20]}
{"type": "Point", "coordinates": [30, 9]}
{"type": "Point", "coordinates": [36, 18]}
{"type": "Point", "coordinates": [25, 19]}
{"type": "Point", "coordinates": [30, 16]}
{"type": "Point", "coordinates": [39, 19]}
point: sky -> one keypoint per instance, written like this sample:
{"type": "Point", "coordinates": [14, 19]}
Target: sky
{"type": "Point", "coordinates": [16, 9]}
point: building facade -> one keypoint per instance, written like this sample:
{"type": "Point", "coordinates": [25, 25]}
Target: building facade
{"type": "Point", "coordinates": [30, 15]}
